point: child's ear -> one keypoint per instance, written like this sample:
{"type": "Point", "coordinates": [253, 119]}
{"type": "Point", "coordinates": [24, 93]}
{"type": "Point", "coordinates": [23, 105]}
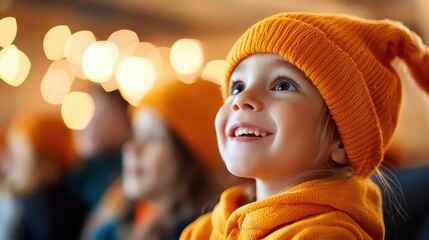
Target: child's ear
{"type": "Point", "coordinates": [338, 153]}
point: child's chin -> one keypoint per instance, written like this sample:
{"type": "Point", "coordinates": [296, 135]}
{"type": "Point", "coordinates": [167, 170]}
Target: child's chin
{"type": "Point", "coordinates": [239, 170]}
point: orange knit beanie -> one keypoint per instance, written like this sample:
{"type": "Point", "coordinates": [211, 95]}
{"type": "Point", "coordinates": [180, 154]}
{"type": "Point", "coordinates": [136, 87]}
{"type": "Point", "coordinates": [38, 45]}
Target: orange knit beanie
{"type": "Point", "coordinates": [48, 136]}
{"type": "Point", "coordinates": [190, 110]}
{"type": "Point", "coordinates": [349, 60]}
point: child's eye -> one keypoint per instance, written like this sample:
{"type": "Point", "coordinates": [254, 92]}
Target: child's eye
{"type": "Point", "coordinates": [236, 88]}
{"type": "Point", "coordinates": [284, 84]}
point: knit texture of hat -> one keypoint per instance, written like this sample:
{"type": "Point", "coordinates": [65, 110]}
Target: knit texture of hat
{"type": "Point", "coordinates": [189, 110]}
{"type": "Point", "coordinates": [349, 60]}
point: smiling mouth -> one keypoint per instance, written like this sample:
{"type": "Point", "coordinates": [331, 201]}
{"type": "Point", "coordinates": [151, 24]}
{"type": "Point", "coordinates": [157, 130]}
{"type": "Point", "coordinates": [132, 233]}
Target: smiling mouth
{"type": "Point", "coordinates": [249, 132]}
{"type": "Point", "coordinates": [253, 132]}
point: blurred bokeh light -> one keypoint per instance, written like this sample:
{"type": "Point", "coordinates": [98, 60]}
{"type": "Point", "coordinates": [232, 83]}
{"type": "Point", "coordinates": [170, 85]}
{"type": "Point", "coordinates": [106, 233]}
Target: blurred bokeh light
{"type": "Point", "coordinates": [63, 65]}
{"type": "Point", "coordinates": [160, 58]}
{"type": "Point", "coordinates": [143, 49]}
{"type": "Point", "coordinates": [99, 61]}
{"type": "Point", "coordinates": [76, 45]}
{"type": "Point", "coordinates": [77, 110]}
{"type": "Point", "coordinates": [55, 85]}
{"type": "Point", "coordinates": [214, 71]}
{"type": "Point", "coordinates": [14, 65]}
{"type": "Point", "coordinates": [8, 29]}
{"type": "Point", "coordinates": [187, 56]}
{"type": "Point", "coordinates": [125, 40]}
{"type": "Point", "coordinates": [77, 71]}
{"type": "Point", "coordinates": [135, 76]}
{"type": "Point", "coordinates": [55, 41]}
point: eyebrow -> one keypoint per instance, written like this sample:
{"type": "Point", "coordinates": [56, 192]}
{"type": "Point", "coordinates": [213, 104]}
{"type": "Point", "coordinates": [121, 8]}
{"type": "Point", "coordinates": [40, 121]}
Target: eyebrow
{"type": "Point", "coordinates": [291, 66]}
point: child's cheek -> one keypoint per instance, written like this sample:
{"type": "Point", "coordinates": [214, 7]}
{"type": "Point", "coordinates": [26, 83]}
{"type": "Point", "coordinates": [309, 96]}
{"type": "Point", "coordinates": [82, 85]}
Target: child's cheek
{"type": "Point", "coordinates": [220, 124]}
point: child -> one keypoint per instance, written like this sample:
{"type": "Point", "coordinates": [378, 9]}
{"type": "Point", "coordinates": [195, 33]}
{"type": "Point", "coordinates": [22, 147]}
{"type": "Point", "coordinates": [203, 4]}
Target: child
{"type": "Point", "coordinates": [311, 104]}
{"type": "Point", "coordinates": [170, 160]}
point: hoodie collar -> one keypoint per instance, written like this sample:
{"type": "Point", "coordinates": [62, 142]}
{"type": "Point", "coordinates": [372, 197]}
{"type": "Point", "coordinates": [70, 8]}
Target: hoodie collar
{"type": "Point", "coordinates": [363, 204]}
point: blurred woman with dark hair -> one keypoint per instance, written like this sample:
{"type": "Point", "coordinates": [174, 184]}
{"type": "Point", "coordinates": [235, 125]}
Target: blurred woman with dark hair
{"type": "Point", "coordinates": [172, 167]}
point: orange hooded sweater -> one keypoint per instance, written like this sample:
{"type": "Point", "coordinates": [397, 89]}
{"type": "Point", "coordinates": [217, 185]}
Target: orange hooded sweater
{"type": "Point", "coordinates": [318, 209]}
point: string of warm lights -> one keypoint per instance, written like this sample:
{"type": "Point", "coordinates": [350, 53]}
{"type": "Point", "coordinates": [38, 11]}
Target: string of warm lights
{"type": "Point", "coordinates": [120, 62]}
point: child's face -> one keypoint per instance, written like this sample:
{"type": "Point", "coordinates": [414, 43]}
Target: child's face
{"type": "Point", "coordinates": [278, 107]}
{"type": "Point", "coordinates": [149, 159]}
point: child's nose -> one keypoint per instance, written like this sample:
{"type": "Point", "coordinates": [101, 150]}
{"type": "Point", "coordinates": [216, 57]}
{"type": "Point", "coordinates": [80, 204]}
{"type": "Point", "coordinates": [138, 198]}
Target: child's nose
{"type": "Point", "coordinates": [246, 101]}
{"type": "Point", "coordinates": [131, 147]}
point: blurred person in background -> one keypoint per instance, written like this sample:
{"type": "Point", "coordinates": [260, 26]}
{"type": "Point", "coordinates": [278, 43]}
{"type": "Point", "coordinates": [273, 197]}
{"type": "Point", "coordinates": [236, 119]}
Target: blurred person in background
{"type": "Point", "coordinates": [407, 165]}
{"type": "Point", "coordinates": [41, 152]}
{"type": "Point", "coordinates": [99, 145]}
{"type": "Point", "coordinates": [172, 167]}
{"type": "Point", "coordinates": [7, 206]}
{"type": "Point", "coordinates": [413, 223]}
{"type": "Point", "coordinates": [410, 184]}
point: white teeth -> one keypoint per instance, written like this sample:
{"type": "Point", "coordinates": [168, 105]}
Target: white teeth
{"type": "Point", "coordinates": [240, 131]}
{"type": "Point", "coordinates": [243, 131]}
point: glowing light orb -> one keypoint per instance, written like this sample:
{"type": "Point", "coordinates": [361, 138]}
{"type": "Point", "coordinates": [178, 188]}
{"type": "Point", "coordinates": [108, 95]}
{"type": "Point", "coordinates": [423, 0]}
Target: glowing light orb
{"type": "Point", "coordinates": [14, 65]}
{"type": "Point", "coordinates": [186, 56]}
{"type": "Point", "coordinates": [76, 45]}
{"type": "Point", "coordinates": [55, 85]}
{"type": "Point", "coordinates": [55, 41]}
{"type": "Point", "coordinates": [8, 29]}
{"type": "Point", "coordinates": [214, 71]}
{"type": "Point", "coordinates": [135, 75]}
{"type": "Point", "coordinates": [77, 110]}
{"type": "Point", "coordinates": [63, 65]}
{"type": "Point", "coordinates": [125, 40]}
{"type": "Point", "coordinates": [99, 61]}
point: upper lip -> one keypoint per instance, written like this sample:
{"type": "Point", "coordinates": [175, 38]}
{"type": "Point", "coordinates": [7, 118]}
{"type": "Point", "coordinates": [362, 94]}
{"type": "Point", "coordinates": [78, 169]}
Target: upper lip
{"type": "Point", "coordinates": [247, 125]}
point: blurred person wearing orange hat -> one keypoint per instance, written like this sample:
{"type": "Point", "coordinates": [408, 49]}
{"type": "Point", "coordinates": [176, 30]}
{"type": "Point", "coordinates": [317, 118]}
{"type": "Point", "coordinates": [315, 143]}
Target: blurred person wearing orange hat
{"type": "Point", "coordinates": [41, 152]}
{"type": "Point", "coordinates": [172, 167]}
{"type": "Point", "coordinates": [311, 104]}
